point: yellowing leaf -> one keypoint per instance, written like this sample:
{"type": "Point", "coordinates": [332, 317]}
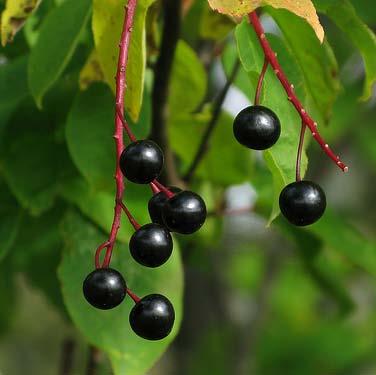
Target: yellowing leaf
{"type": "Point", "coordinates": [91, 72]}
{"type": "Point", "coordinates": [302, 8]}
{"type": "Point", "coordinates": [108, 17]}
{"type": "Point", "coordinates": [14, 16]}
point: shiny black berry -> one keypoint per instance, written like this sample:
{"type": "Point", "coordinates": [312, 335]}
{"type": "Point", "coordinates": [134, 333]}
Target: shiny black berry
{"type": "Point", "coordinates": [152, 318]}
{"type": "Point", "coordinates": [156, 203]}
{"type": "Point", "coordinates": [151, 245]}
{"type": "Point", "coordinates": [302, 202]}
{"type": "Point", "coordinates": [141, 161]}
{"type": "Point", "coordinates": [104, 288]}
{"type": "Point", "coordinates": [257, 127]}
{"type": "Point", "coordinates": [184, 213]}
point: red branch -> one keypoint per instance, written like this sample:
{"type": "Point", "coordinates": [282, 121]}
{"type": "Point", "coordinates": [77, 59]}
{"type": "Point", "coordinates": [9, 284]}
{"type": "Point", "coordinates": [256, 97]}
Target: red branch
{"type": "Point", "coordinates": [289, 88]}
{"type": "Point", "coordinates": [119, 116]}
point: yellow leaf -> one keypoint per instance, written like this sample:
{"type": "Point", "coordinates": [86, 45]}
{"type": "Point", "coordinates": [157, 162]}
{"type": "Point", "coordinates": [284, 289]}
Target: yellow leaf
{"type": "Point", "coordinates": [302, 8]}
{"type": "Point", "coordinates": [108, 19]}
{"type": "Point", "coordinates": [14, 16]}
{"type": "Point", "coordinates": [91, 72]}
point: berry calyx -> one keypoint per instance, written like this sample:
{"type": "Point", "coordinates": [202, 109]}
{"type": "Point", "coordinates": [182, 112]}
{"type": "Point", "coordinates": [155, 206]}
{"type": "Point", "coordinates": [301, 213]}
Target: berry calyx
{"type": "Point", "coordinates": [104, 288]}
{"type": "Point", "coordinates": [184, 213]}
{"type": "Point", "coordinates": [152, 318]}
{"type": "Point", "coordinates": [156, 204]}
{"type": "Point", "coordinates": [151, 245]}
{"type": "Point", "coordinates": [141, 161]}
{"type": "Point", "coordinates": [257, 127]}
{"type": "Point", "coordinates": [302, 202]}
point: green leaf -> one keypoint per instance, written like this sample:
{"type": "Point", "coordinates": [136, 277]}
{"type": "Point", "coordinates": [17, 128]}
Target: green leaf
{"type": "Point", "coordinates": [188, 81]}
{"type": "Point", "coordinates": [346, 240]}
{"type": "Point", "coordinates": [214, 25]}
{"type": "Point", "coordinates": [225, 163]}
{"type": "Point", "coordinates": [13, 88]}
{"type": "Point", "coordinates": [110, 330]}
{"type": "Point", "coordinates": [29, 164]}
{"type": "Point", "coordinates": [316, 61]}
{"type": "Point", "coordinates": [57, 41]}
{"type": "Point", "coordinates": [108, 18]}
{"type": "Point", "coordinates": [98, 206]}
{"type": "Point", "coordinates": [37, 253]}
{"type": "Point", "coordinates": [344, 15]}
{"type": "Point", "coordinates": [11, 215]}
{"type": "Point", "coordinates": [89, 134]}
{"type": "Point", "coordinates": [13, 80]}
{"type": "Point", "coordinates": [281, 158]}
{"type": "Point", "coordinates": [310, 246]}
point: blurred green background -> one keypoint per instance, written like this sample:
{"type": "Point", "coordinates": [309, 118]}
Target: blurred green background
{"type": "Point", "coordinates": [258, 299]}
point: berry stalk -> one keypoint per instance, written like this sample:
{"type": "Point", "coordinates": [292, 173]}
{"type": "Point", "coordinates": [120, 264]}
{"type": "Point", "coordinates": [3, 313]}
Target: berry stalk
{"type": "Point", "coordinates": [300, 152]}
{"type": "Point", "coordinates": [289, 88]}
{"type": "Point", "coordinates": [261, 81]}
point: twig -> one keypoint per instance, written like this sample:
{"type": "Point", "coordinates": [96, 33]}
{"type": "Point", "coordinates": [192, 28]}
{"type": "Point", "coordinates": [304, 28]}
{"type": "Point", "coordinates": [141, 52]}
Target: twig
{"type": "Point", "coordinates": [67, 355]}
{"type": "Point", "coordinates": [289, 88]}
{"type": "Point", "coordinates": [203, 147]}
{"type": "Point", "coordinates": [162, 75]}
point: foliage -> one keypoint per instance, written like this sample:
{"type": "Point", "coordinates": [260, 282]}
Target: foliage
{"type": "Point", "coordinates": [57, 163]}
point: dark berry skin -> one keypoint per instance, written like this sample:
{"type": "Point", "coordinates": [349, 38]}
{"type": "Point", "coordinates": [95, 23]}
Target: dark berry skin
{"type": "Point", "coordinates": [302, 202]}
{"type": "Point", "coordinates": [257, 127]}
{"type": "Point", "coordinates": [141, 161]}
{"type": "Point", "coordinates": [152, 318]}
{"type": "Point", "coordinates": [156, 203]}
{"type": "Point", "coordinates": [151, 245]}
{"type": "Point", "coordinates": [184, 213]}
{"type": "Point", "coordinates": [104, 288]}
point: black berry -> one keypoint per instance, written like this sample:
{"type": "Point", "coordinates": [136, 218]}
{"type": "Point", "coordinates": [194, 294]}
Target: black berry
{"type": "Point", "coordinates": [141, 161]}
{"type": "Point", "coordinates": [152, 318]}
{"type": "Point", "coordinates": [257, 127]}
{"type": "Point", "coordinates": [151, 245]}
{"type": "Point", "coordinates": [302, 202]}
{"type": "Point", "coordinates": [104, 288]}
{"type": "Point", "coordinates": [184, 213]}
{"type": "Point", "coordinates": [156, 203]}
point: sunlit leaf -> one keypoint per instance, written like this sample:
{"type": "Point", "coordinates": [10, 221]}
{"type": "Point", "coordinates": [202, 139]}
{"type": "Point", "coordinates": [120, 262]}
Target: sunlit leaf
{"type": "Point", "coordinates": [302, 8]}
{"type": "Point", "coordinates": [14, 17]}
{"type": "Point", "coordinates": [107, 24]}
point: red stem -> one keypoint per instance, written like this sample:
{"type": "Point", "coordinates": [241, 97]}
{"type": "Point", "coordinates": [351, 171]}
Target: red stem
{"type": "Point", "coordinates": [130, 217]}
{"type": "Point", "coordinates": [158, 185]}
{"type": "Point", "coordinates": [300, 151]}
{"type": "Point", "coordinates": [289, 88]}
{"type": "Point", "coordinates": [154, 188]}
{"type": "Point", "coordinates": [98, 253]}
{"type": "Point", "coordinates": [126, 127]}
{"type": "Point", "coordinates": [135, 298]}
{"type": "Point", "coordinates": [119, 116]}
{"type": "Point", "coordinates": [261, 81]}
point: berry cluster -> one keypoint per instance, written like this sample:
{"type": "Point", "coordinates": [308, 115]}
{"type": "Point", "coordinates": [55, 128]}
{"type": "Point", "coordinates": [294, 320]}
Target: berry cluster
{"type": "Point", "coordinates": [171, 210]}
{"type": "Point", "coordinates": [301, 202]}
{"type": "Point", "coordinates": [151, 245]}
